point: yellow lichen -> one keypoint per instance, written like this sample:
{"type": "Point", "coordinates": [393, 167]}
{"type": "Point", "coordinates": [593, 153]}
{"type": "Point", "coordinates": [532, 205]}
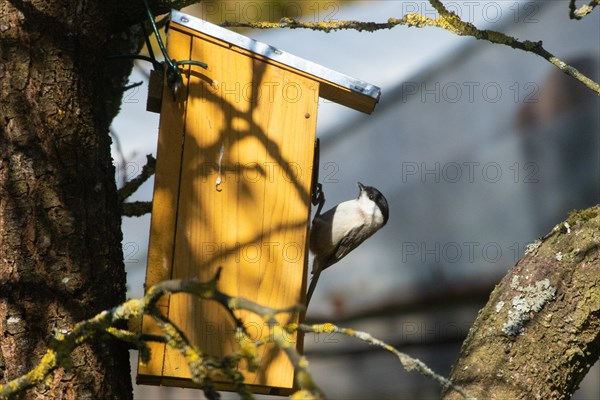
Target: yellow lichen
{"type": "Point", "coordinates": [302, 395]}
{"type": "Point", "coordinates": [327, 328]}
{"type": "Point", "coordinates": [47, 363]}
{"type": "Point", "coordinates": [417, 20]}
{"type": "Point", "coordinates": [303, 363]}
{"type": "Point", "coordinates": [279, 336]}
{"type": "Point", "coordinates": [112, 330]}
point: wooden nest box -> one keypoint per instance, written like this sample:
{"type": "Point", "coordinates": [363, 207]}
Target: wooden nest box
{"type": "Point", "coordinates": [232, 189]}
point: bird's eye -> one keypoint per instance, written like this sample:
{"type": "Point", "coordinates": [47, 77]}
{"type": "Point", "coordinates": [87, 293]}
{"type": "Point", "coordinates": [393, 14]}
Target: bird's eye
{"type": "Point", "coordinates": [371, 196]}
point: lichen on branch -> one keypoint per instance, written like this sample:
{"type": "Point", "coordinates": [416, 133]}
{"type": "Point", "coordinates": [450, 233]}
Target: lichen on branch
{"type": "Point", "coordinates": [446, 20]}
{"type": "Point", "coordinates": [204, 369]}
{"type": "Point", "coordinates": [409, 363]}
{"type": "Point", "coordinates": [541, 325]}
{"type": "Point", "coordinates": [579, 13]}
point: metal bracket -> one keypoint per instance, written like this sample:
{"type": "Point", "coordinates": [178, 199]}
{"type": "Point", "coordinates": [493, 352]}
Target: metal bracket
{"type": "Point", "coordinates": [317, 196]}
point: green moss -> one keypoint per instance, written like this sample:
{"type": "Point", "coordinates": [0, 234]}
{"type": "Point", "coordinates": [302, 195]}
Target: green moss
{"type": "Point", "coordinates": [589, 304]}
{"type": "Point", "coordinates": [582, 215]}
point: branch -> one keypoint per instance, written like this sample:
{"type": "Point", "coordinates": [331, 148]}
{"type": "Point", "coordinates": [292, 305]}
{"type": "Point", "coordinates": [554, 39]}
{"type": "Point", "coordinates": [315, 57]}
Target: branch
{"type": "Point", "coordinates": [451, 22]}
{"type": "Point", "coordinates": [325, 26]}
{"type": "Point", "coordinates": [130, 187]}
{"type": "Point", "coordinates": [579, 13]}
{"type": "Point", "coordinates": [136, 208]}
{"type": "Point", "coordinates": [447, 20]}
{"type": "Point", "coordinates": [539, 334]}
{"type": "Point", "coordinates": [203, 368]}
{"type": "Point", "coordinates": [407, 361]}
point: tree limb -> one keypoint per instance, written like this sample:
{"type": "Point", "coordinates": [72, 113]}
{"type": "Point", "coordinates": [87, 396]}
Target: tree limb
{"type": "Point", "coordinates": [203, 368]}
{"type": "Point", "coordinates": [136, 208]}
{"type": "Point", "coordinates": [539, 334]}
{"type": "Point", "coordinates": [130, 187]}
{"type": "Point", "coordinates": [447, 20]}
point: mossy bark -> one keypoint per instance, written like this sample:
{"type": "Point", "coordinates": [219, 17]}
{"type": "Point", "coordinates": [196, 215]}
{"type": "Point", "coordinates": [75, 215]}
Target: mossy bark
{"type": "Point", "coordinates": [539, 333]}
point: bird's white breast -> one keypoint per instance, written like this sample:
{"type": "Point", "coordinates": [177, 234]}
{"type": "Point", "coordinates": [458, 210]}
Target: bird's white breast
{"type": "Point", "coordinates": [348, 215]}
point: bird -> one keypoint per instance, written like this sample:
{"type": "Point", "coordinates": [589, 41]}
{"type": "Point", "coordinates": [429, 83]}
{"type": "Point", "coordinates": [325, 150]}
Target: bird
{"type": "Point", "coordinates": [341, 229]}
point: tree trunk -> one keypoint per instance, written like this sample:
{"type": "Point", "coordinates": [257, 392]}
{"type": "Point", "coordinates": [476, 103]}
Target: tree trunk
{"type": "Point", "coordinates": [60, 225]}
{"type": "Point", "coordinates": [539, 333]}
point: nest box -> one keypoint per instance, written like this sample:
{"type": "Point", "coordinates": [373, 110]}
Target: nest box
{"type": "Point", "coordinates": [233, 184]}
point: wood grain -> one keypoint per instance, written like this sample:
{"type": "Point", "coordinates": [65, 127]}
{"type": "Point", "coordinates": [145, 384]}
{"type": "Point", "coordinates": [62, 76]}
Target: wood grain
{"type": "Point", "coordinates": [166, 193]}
{"type": "Point", "coordinates": [254, 224]}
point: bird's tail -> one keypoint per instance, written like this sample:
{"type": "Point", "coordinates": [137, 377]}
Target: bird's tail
{"type": "Point", "coordinates": [312, 286]}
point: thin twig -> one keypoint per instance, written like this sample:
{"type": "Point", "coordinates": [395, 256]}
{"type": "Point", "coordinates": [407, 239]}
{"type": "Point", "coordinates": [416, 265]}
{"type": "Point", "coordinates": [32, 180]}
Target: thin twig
{"type": "Point", "coordinates": [451, 22]}
{"type": "Point", "coordinates": [136, 208]}
{"type": "Point", "coordinates": [203, 368]}
{"type": "Point", "coordinates": [447, 20]}
{"type": "Point", "coordinates": [407, 361]}
{"type": "Point", "coordinates": [579, 13]}
{"type": "Point", "coordinates": [147, 171]}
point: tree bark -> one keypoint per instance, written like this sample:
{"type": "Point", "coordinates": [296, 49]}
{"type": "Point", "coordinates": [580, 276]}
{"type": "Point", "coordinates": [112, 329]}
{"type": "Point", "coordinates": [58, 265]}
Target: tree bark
{"type": "Point", "coordinates": [60, 224]}
{"type": "Point", "coordinates": [539, 333]}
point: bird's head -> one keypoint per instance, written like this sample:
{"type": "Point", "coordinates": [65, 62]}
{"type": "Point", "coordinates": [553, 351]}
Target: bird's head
{"type": "Point", "coordinates": [372, 199]}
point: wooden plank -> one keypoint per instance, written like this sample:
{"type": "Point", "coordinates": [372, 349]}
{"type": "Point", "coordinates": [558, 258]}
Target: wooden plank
{"type": "Point", "coordinates": [166, 193]}
{"type": "Point", "coordinates": [151, 373]}
{"type": "Point", "coordinates": [255, 225]}
{"type": "Point", "coordinates": [201, 238]}
{"type": "Point", "coordinates": [335, 86]}
{"type": "Point", "coordinates": [290, 125]}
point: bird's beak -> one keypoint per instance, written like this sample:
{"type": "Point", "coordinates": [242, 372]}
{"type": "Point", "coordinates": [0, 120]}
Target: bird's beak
{"type": "Point", "coordinates": [360, 186]}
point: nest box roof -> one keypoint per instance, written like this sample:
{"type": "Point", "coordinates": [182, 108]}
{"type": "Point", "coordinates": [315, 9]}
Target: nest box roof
{"type": "Point", "coordinates": [334, 86]}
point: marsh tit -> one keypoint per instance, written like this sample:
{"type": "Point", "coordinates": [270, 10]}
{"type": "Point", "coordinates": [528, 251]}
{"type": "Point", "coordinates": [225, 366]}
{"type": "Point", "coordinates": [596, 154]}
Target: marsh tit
{"type": "Point", "coordinates": [340, 230]}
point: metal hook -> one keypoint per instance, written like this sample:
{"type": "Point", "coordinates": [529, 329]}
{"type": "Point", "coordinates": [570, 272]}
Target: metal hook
{"type": "Point", "coordinates": [219, 180]}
